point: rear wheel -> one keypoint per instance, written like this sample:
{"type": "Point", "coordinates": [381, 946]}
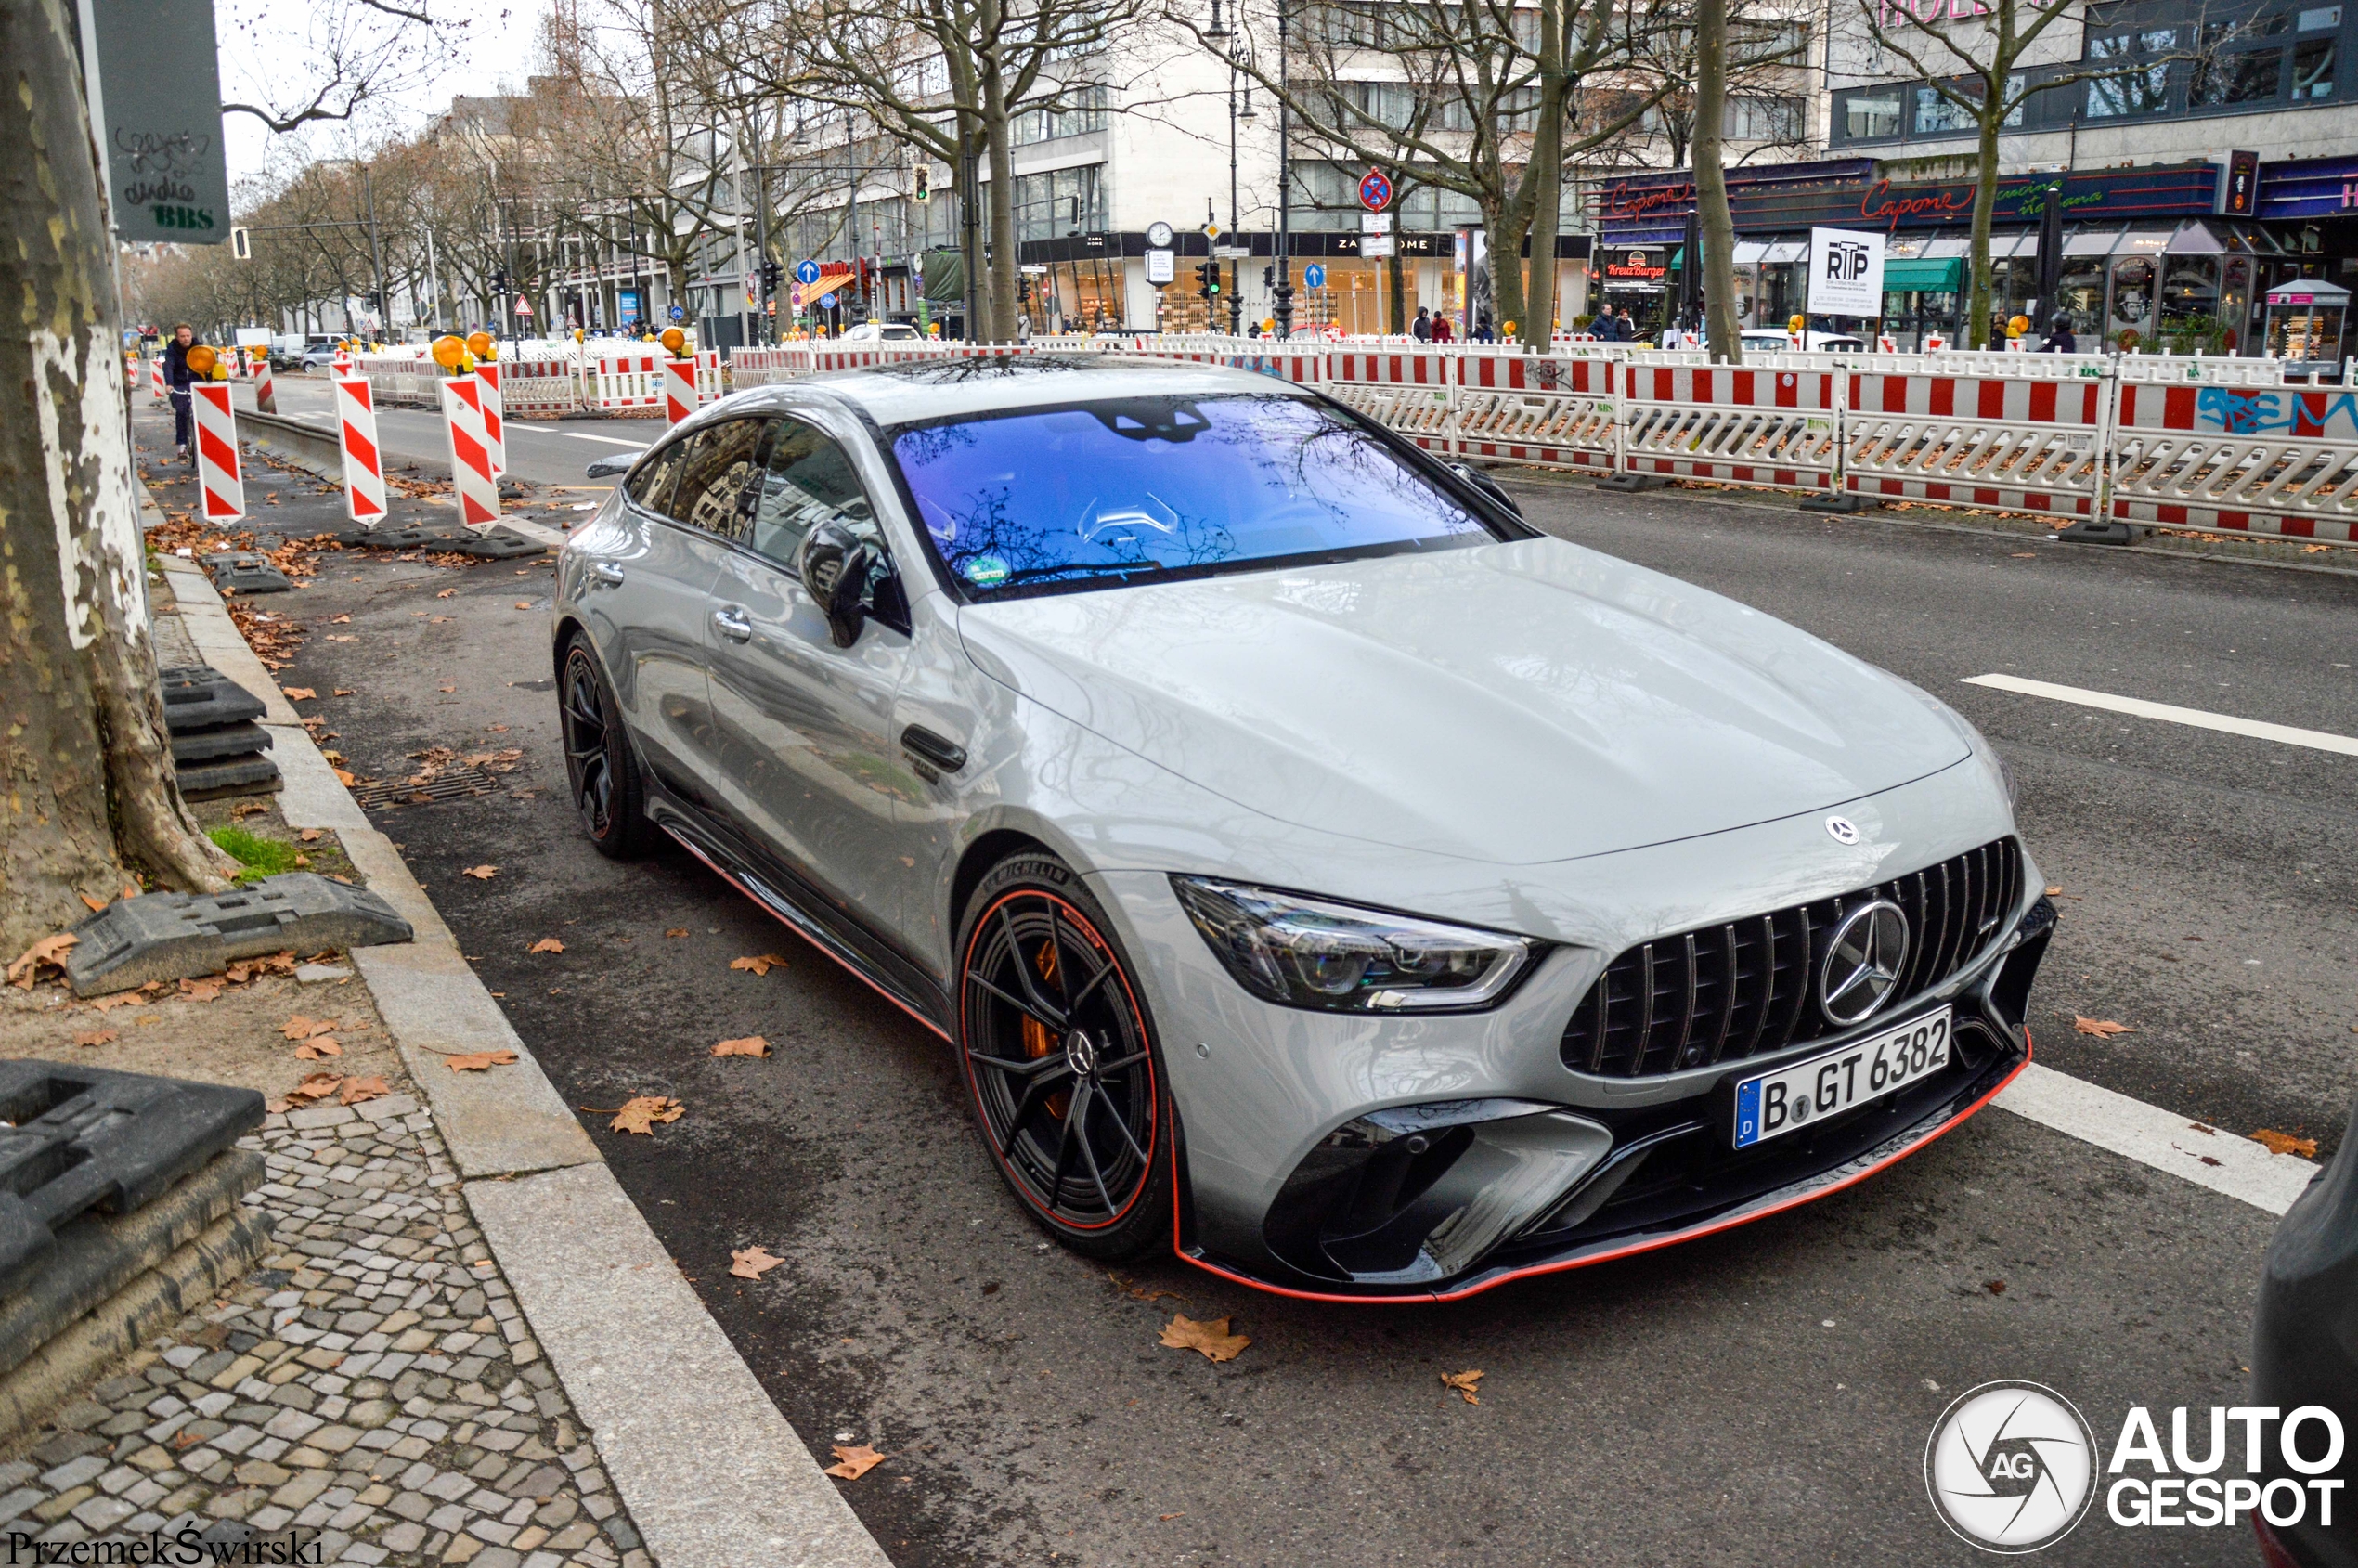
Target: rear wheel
{"type": "Point", "coordinates": [1060, 1061]}
{"type": "Point", "coordinates": [599, 766]}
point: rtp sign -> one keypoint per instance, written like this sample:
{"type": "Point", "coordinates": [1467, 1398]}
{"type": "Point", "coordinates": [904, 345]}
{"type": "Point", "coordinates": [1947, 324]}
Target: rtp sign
{"type": "Point", "coordinates": [1845, 272]}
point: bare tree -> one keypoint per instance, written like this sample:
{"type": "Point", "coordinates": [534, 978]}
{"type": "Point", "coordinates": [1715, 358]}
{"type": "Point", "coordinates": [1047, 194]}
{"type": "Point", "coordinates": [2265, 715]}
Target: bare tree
{"type": "Point", "coordinates": [1715, 227]}
{"type": "Point", "coordinates": [351, 54]}
{"type": "Point", "coordinates": [91, 794]}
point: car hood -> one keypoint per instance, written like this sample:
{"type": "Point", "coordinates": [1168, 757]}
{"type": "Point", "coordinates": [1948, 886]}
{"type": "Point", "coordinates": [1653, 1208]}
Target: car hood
{"type": "Point", "coordinates": [1516, 703]}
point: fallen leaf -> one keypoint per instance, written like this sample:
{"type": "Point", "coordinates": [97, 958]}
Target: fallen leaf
{"type": "Point", "coordinates": [344, 691]}
{"type": "Point", "coordinates": [96, 905]}
{"type": "Point", "coordinates": [760, 965]}
{"type": "Point", "coordinates": [481, 872]}
{"type": "Point", "coordinates": [857, 1461]}
{"type": "Point", "coordinates": [355, 1090]}
{"type": "Point", "coordinates": [2103, 1029]}
{"type": "Point", "coordinates": [338, 620]}
{"type": "Point", "coordinates": [205, 989]}
{"type": "Point", "coordinates": [2054, 890]}
{"type": "Point", "coordinates": [450, 688]}
{"type": "Point", "coordinates": [320, 1049]}
{"type": "Point", "coordinates": [302, 1028]}
{"type": "Point", "coordinates": [108, 1036]}
{"type": "Point", "coordinates": [1466, 1384]}
{"type": "Point", "coordinates": [2206, 1131]}
{"type": "Point", "coordinates": [1211, 1337]}
{"type": "Point", "coordinates": [446, 593]}
{"type": "Point", "coordinates": [2025, 555]}
{"type": "Point", "coordinates": [547, 944]}
{"type": "Point", "coordinates": [49, 950]}
{"type": "Point", "coordinates": [677, 931]}
{"type": "Point", "coordinates": [522, 605]}
{"type": "Point", "coordinates": [1167, 1518]}
{"type": "Point", "coordinates": [752, 1263]}
{"type": "Point", "coordinates": [751, 1046]}
{"type": "Point", "coordinates": [344, 778]}
{"type": "Point", "coordinates": [318, 1086]}
{"type": "Point", "coordinates": [479, 1061]}
{"type": "Point", "coordinates": [309, 835]}
{"type": "Point", "coordinates": [2284, 1142]}
{"type": "Point", "coordinates": [334, 637]}
{"type": "Point", "coordinates": [2208, 1160]}
{"type": "Point", "coordinates": [1995, 1286]}
{"type": "Point", "coordinates": [105, 1003]}
{"type": "Point", "coordinates": [300, 694]}
{"type": "Point", "coordinates": [640, 1114]}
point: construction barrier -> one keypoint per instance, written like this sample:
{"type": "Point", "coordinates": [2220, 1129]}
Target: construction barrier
{"type": "Point", "coordinates": [471, 476]}
{"type": "Point", "coordinates": [1412, 393]}
{"type": "Point", "coordinates": [2259, 459]}
{"type": "Point", "coordinates": [1553, 410]}
{"type": "Point", "coordinates": [494, 423]}
{"type": "Point", "coordinates": [1986, 437]}
{"type": "Point", "coordinates": [220, 480]}
{"type": "Point", "coordinates": [157, 391]}
{"type": "Point", "coordinates": [625, 379]}
{"type": "Point", "coordinates": [364, 470]}
{"type": "Point", "coordinates": [680, 389]}
{"type": "Point", "coordinates": [540, 386]}
{"type": "Point", "coordinates": [265, 390]}
{"type": "Point", "coordinates": [1777, 427]}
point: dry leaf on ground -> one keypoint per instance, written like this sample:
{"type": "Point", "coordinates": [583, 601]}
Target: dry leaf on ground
{"type": "Point", "coordinates": [2284, 1142]}
{"type": "Point", "coordinates": [96, 905]}
{"type": "Point", "coordinates": [205, 989]}
{"type": "Point", "coordinates": [547, 944]}
{"type": "Point", "coordinates": [50, 950]}
{"type": "Point", "coordinates": [1468, 1385]}
{"type": "Point", "coordinates": [302, 1028]}
{"type": "Point", "coordinates": [1211, 1337]}
{"type": "Point", "coordinates": [524, 604]}
{"type": "Point", "coordinates": [640, 1114]}
{"type": "Point", "coordinates": [760, 965]}
{"type": "Point", "coordinates": [318, 1049]}
{"type": "Point", "coordinates": [318, 1086]}
{"type": "Point", "coordinates": [108, 1036]}
{"type": "Point", "coordinates": [677, 931]}
{"type": "Point", "coordinates": [309, 835]}
{"type": "Point", "coordinates": [2054, 890]}
{"type": "Point", "coordinates": [446, 593]}
{"type": "Point", "coordinates": [751, 1046]}
{"type": "Point", "coordinates": [2103, 1029]}
{"type": "Point", "coordinates": [479, 1061]}
{"type": "Point", "coordinates": [481, 872]}
{"type": "Point", "coordinates": [300, 694]}
{"type": "Point", "coordinates": [338, 620]}
{"type": "Point", "coordinates": [355, 1090]}
{"type": "Point", "coordinates": [752, 1263]}
{"type": "Point", "coordinates": [857, 1461]}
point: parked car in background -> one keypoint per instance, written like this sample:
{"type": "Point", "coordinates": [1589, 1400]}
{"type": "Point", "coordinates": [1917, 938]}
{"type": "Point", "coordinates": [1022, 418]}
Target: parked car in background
{"type": "Point", "coordinates": [2304, 1349]}
{"type": "Point", "coordinates": [883, 332]}
{"type": "Point", "coordinates": [1767, 339]}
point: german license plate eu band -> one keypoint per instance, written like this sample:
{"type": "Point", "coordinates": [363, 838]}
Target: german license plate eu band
{"type": "Point", "coordinates": [1793, 1096]}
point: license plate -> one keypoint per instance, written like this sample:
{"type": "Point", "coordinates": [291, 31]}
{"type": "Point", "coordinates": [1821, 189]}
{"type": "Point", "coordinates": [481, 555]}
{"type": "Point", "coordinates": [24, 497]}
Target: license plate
{"type": "Point", "coordinates": [1777, 1103]}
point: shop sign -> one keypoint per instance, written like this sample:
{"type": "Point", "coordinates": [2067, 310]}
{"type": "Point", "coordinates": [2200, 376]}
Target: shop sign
{"type": "Point", "coordinates": [1766, 203]}
{"type": "Point", "coordinates": [1636, 267]}
{"type": "Point", "coordinates": [1845, 272]}
{"type": "Point", "coordinates": [2313, 187]}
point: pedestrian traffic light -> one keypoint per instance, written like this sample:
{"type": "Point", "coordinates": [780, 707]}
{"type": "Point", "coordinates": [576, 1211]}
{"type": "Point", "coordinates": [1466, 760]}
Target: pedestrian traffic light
{"type": "Point", "coordinates": [1208, 279]}
{"type": "Point", "coordinates": [500, 282]}
{"type": "Point", "coordinates": [925, 183]}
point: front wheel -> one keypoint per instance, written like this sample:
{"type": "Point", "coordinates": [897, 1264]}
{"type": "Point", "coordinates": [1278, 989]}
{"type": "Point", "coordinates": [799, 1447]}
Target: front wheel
{"type": "Point", "coordinates": [1060, 1061]}
{"type": "Point", "coordinates": [601, 768]}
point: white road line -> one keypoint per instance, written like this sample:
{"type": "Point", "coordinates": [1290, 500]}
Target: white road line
{"type": "Point", "coordinates": [2319, 739]}
{"type": "Point", "coordinates": [543, 429]}
{"type": "Point", "coordinates": [2214, 1157]}
{"type": "Point", "coordinates": [609, 440]}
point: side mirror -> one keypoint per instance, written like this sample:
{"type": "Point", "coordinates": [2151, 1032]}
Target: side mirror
{"type": "Point", "coordinates": [1488, 487]}
{"type": "Point", "coordinates": [839, 569]}
{"type": "Point", "coordinates": [604, 468]}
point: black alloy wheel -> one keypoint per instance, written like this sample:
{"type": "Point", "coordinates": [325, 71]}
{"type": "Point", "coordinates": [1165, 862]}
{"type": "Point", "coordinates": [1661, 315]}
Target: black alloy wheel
{"type": "Point", "coordinates": [1061, 1063]}
{"type": "Point", "coordinates": [599, 766]}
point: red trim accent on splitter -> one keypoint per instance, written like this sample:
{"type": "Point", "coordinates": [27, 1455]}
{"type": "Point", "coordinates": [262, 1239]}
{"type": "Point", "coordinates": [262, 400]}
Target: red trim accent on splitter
{"type": "Point", "coordinates": [763, 906]}
{"type": "Point", "coordinates": [1650, 1245]}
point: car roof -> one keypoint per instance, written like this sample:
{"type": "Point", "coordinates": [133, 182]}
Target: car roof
{"type": "Point", "coordinates": [918, 390]}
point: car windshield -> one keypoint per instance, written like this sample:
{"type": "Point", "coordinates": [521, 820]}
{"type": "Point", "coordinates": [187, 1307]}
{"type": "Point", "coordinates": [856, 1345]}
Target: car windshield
{"type": "Point", "coordinates": [1133, 489]}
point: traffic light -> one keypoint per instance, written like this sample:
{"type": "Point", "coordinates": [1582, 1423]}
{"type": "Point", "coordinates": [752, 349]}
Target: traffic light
{"type": "Point", "coordinates": [924, 184]}
{"type": "Point", "coordinates": [500, 282]}
{"type": "Point", "coordinates": [1208, 279]}
{"type": "Point", "coordinates": [241, 244]}
{"type": "Point", "coordinates": [771, 276]}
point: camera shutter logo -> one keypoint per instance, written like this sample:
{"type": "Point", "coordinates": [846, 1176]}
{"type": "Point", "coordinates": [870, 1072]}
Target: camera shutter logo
{"type": "Point", "coordinates": [1863, 963]}
{"type": "Point", "coordinates": [2011, 1467]}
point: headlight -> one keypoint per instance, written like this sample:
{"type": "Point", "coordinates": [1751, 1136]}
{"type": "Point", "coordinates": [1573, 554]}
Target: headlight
{"type": "Point", "coordinates": [1309, 952]}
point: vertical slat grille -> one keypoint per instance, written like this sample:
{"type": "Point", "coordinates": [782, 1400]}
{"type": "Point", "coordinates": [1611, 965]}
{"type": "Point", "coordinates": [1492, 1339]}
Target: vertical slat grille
{"type": "Point", "coordinates": [1729, 992]}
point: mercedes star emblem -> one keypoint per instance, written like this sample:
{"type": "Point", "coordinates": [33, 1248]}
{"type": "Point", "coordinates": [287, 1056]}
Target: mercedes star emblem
{"type": "Point", "coordinates": [1844, 829]}
{"type": "Point", "coordinates": [1863, 963]}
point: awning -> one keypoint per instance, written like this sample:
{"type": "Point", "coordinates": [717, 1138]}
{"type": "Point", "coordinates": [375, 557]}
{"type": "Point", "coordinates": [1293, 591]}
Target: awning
{"type": "Point", "coordinates": [1927, 274]}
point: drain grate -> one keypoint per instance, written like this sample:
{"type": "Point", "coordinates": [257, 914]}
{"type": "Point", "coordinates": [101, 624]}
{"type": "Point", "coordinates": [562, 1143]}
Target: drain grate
{"type": "Point", "coordinates": [456, 782]}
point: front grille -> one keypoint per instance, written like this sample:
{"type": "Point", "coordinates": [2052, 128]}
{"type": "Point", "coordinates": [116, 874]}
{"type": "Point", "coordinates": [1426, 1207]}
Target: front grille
{"type": "Point", "coordinates": [1729, 992]}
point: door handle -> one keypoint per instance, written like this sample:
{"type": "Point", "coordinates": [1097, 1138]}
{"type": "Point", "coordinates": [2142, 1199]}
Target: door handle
{"type": "Point", "coordinates": [607, 572]}
{"type": "Point", "coordinates": [926, 746]}
{"type": "Point", "coordinates": [732, 624]}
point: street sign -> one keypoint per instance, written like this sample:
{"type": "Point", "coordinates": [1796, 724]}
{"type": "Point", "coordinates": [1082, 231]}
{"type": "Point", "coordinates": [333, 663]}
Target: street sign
{"type": "Point", "coordinates": [1212, 232]}
{"type": "Point", "coordinates": [1159, 265]}
{"type": "Point", "coordinates": [1231, 252]}
{"type": "Point", "coordinates": [155, 109]}
{"type": "Point", "coordinates": [1159, 235]}
{"type": "Point", "coordinates": [806, 272]}
{"type": "Point", "coordinates": [678, 314]}
{"type": "Point", "coordinates": [1376, 246]}
{"type": "Point", "coordinates": [1315, 276]}
{"type": "Point", "coordinates": [1375, 190]}
{"type": "Point", "coordinates": [523, 307]}
{"type": "Point", "coordinates": [826, 302]}
{"type": "Point", "coordinates": [1375, 222]}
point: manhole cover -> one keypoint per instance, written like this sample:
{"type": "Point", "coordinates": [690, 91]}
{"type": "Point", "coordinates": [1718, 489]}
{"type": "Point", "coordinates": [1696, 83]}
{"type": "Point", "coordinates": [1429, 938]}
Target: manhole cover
{"type": "Point", "coordinates": [455, 782]}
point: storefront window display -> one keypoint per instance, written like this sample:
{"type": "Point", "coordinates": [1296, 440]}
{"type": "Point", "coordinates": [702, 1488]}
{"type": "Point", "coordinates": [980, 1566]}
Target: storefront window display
{"type": "Point", "coordinates": [2190, 322]}
{"type": "Point", "coordinates": [2132, 321]}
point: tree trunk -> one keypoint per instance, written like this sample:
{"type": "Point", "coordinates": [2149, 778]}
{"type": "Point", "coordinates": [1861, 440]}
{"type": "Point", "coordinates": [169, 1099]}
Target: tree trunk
{"type": "Point", "coordinates": [1005, 268]}
{"type": "Point", "coordinates": [1985, 199]}
{"type": "Point", "coordinates": [1715, 224]}
{"type": "Point", "coordinates": [1544, 177]}
{"type": "Point", "coordinates": [1509, 225]}
{"type": "Point", "coordinates": [1398, 325]}
{"type": "Point", "coordinates": [90, 779]}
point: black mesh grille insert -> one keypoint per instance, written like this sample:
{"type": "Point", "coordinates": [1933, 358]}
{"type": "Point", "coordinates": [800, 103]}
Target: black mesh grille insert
{"type": "Point", "coordinates": [1725, 992]}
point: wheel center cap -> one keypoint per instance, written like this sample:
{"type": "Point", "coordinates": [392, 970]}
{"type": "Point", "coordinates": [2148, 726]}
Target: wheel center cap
{"type": "Point", "coordinates": [1081, 1053]}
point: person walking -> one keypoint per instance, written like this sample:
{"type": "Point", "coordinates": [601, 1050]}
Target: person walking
{"type": "Point", "coordinates": [1606, 328]}
{"type": "Point", "coordinates": [2059, 338]}
{"type": "Point", "coordinates": [177, 377]}
{"type": "Point", "coordinates": [1442, 332]}
{"type": "Point", "coordinates": [1421, 327]}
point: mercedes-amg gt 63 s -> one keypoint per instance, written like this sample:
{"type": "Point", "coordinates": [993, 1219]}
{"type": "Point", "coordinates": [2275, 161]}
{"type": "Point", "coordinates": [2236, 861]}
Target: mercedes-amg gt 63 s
{"type": "Point", "coordinates": [1314, 868]}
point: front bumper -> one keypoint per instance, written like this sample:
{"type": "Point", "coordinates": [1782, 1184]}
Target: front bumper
{"type": "Point", "coordinates": [1458, 1153]}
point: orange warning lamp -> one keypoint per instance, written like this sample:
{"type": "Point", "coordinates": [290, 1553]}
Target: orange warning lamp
{"type": "Point", "coordinates": [200, 360]}
{"type": "Point", "coordinates": [675, 341]}
{"type": "Point", "coordinates": [447, 351]}
{"type": "Point", "coordinates": [479, 344]}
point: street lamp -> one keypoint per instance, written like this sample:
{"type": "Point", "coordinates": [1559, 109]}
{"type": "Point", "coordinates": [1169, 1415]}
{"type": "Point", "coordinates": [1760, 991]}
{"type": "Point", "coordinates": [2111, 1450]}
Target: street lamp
{"type": "Point", "coordinates": [1239, 53]}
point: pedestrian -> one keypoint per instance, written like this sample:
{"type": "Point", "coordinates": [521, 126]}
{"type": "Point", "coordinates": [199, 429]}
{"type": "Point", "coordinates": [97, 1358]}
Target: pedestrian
{"type": "Point", "coordinates": [1442, 330]}
{"type": "Point", "coordinates": [1252, 328]}
{"type": "Point", "coordinates": [2059, 338]}
{"type": "Point", "coordinates": [1421, 327]}
{"type": "Point", "coordinates": [177, 377]}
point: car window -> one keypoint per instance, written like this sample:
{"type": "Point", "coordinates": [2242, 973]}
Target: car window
{"type": "Point", "coordinates": [650, 487]}
{"type": "Point", "coordinates": [713, 475]}
{"type": "Point", "coordinates": [809, 480]}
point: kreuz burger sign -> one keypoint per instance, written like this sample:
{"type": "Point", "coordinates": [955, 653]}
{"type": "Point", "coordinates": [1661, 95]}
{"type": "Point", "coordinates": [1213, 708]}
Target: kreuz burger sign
{"type": "Point", "coordinates": [1636, 267]}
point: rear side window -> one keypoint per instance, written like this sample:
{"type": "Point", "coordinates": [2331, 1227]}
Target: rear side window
{"type": "Point", "coordinates": [809, 480]}
{"type": "Point", "coordinates": [720, 461]}
{"type": "Point", "coordinates": [651, 485]}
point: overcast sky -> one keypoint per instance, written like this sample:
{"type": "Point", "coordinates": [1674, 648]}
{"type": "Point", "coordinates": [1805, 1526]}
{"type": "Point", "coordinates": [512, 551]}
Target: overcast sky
{"type": "Point", "coordinates": [264, 63]}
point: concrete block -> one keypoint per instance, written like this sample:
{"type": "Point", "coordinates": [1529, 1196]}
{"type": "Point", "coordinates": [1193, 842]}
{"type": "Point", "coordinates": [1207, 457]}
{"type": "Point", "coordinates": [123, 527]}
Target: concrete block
{"type": "Point", "coordinates": [168, 935]}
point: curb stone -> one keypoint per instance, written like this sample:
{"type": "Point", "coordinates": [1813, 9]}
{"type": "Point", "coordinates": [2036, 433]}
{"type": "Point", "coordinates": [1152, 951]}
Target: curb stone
{"type": "Point", "coordinates": [707, 1467]}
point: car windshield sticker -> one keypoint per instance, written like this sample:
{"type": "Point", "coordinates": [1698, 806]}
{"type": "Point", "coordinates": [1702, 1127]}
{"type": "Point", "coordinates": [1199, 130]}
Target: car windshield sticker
{"type": "Point", "coordinates": [986, 569]}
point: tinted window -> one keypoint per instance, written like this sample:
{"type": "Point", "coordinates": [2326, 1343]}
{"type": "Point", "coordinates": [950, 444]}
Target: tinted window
{"type": "Point", "coordinates": [809, 481]}
{"type": "Point", "coordinates": [1134, 488]}
{"type": "Point", "coordinates": [651, 485]}
{"type": "Point", "coordinates": [720, 461]}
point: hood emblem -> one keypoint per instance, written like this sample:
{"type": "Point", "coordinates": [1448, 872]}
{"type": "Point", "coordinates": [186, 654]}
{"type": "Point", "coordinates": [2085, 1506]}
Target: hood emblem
{"type": "Point", "coordinates": [1863, 963]}
{"type": "Point", "coordinates": [1844, 831]}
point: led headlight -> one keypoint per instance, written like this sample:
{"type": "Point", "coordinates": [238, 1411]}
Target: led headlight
{"type": "Point", "coordinates": [1310, 953]}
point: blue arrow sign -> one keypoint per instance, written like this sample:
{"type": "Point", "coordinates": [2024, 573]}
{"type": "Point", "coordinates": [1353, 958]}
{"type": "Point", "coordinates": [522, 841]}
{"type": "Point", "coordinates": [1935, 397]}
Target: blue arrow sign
{"type": "Point", "coordinates": [1314, 275]}
{"type": "Point", "coordinates": [806, 272]}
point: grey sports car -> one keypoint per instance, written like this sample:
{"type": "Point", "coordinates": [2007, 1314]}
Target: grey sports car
{"type": "Point", "coordinates": [1315, 868]}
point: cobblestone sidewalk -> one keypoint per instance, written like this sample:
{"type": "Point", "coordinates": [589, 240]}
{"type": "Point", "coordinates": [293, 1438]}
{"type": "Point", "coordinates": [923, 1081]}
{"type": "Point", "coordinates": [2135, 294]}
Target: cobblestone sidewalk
{"type": "Point", "coordinates": [372, 1383]}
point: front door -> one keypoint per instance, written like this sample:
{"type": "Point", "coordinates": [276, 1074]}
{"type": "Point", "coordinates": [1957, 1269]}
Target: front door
{"type": "Point", "coordinates": [808, 758]}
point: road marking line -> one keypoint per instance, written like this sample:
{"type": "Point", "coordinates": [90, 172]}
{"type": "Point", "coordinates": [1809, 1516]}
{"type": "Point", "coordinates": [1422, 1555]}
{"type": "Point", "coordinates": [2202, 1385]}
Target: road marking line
{"type": "Point", "coordinates": [609, 440]}
{"type": "Point", "coordinates": [2219, 1160]}
{"type": "Point", "coordinates": [2319, 739]}
{"type": "Point", "coordinates": [543, 429]}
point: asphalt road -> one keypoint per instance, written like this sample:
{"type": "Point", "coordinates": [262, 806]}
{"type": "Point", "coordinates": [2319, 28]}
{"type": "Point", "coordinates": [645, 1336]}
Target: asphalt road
{"type": "Point", "coordinates": [1762, 1396]}
{"type": "Point", "coordinates": [539, 451]}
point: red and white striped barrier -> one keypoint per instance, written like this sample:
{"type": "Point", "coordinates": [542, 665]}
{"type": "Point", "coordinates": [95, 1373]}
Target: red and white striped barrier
{"type": "Point", "coordinates": [471, 480]}
{"type": "Point", "coordinates": [2279, 460]}
{"type": "Point", "coordinates": [678, 389]}
{"type": "Point", "coordinates": [538, 387]}
{"type": "Point", "coordinates": [364, 465]}
{"type": "Point", "coordinates": [1554, 411]}
{"type": "Point", "coordinates": [625, 380]}
{"type": "Point", "coordinates": [1990, 438]}
{"type": "Point", "coordinates": [495, 419]}
{"type": "Point", "coordinates": [157, 391]}
{"type": "Point", "coordinates": [1414, 394]}
{"type": "Point", "coordinates": [265, 389]}
{"type": "Point", "coordinates": [341, 364]}
{"type": "Point", "coordinates": [220, 480]}
{"type": "Point", "coordinates": [1774, 427]}
{"type": "Point", "coordinates": [767, 367]}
